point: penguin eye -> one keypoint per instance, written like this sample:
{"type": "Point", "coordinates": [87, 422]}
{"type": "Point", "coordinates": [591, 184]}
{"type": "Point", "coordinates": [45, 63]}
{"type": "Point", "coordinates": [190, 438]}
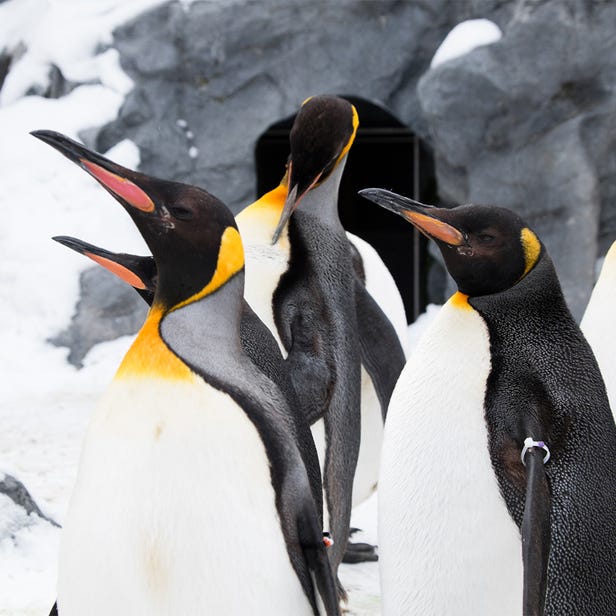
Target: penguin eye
{"type": "Point", "coordinates": [180, 212]}
{"type": "Point", "coordinates": [486, 238]}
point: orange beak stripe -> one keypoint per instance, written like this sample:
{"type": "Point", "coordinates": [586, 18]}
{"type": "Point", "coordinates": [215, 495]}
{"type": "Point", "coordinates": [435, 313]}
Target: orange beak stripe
{"type": "Point", "coordinates": [436, 229]}
{"type": "Point", "coordinates": [119, 270]}
{"type": "Point", "coordinates": [131, 193]}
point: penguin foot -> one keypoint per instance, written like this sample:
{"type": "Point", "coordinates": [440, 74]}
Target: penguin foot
{"type": "Point", "coordinates": [359, 553]}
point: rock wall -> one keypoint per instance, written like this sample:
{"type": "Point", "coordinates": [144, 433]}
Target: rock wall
{"type": "Point", "coordinates": [526, 122]}
{"type": "Point", "coordinates": [210, 78]}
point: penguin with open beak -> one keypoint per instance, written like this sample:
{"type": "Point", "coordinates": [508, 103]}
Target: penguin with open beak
{"type": "Point", "coordinates": [498, 484]}
{"type": "Point", "coordinates": [192, 461]}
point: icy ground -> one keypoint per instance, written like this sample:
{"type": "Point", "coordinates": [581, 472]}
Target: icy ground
{"type": "Point", "coordinates": [44, 402]}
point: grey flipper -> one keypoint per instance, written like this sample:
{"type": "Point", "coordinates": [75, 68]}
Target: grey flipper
{"type": "Point", "coordinates": [535, 534]}
{"type": "Point", "coordinates": [314, 311]}
{"type": "Point", "coordinates": [262, 349]}
{"type": "Point", "coordinates": [381, 352]}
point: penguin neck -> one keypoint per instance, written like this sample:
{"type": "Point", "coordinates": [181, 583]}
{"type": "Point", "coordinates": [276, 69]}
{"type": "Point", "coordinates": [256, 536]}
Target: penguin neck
{"type": "Point", "coordinates": [203, 330]}
{"type": "Point", "coordinates": [322, 201]}
{"type": "Point", "coordinates": [270, 205]}
{"type": "Point", "coordinates": [539, 292]}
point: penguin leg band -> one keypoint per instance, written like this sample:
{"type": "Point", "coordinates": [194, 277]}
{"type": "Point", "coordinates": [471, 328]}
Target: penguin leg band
{"type": "Point", "coordinates": [528, 443]}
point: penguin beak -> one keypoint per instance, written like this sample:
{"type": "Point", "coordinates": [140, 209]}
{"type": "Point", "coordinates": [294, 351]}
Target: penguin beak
{"type": "Point", "coordinates": [138, 272]}
{"type": "Point", "coordinates": [297, 191]}
{"type": "Point", "coordinates": [121, 182]}
{"type": "Point", "coordinates": [427, 218]}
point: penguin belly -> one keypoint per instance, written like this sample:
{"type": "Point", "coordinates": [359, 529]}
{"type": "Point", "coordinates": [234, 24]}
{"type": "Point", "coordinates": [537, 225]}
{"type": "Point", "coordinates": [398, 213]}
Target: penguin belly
{"type": "Point", "coordinates": [367, 469]}
{"type": "Point", "coordinates": [447, 544]}
{"type": "Point", "coordinates": [173, 511]}
{"type": "Point", "coordinates": [265, 262]}
{"type": "Point", "coordinates": [597, 324]}
{"type": "Point", "coordinates": [382, 287]}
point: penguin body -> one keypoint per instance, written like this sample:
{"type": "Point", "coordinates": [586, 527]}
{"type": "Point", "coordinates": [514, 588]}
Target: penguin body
{"type": "Point", "coordinates": [158, 453]}
{"type": "Point", "coordinates": [499, 422]}
{"type": "Point", "coordinates": [436, 434]}
{"type": "Point", "coordinates": [257, 342]}
{"type": "Point", "coordinates": [598, 322]}
{"type": "Point", "coordinates": [191, 462]}
{"type": "Point", "coordinates": [320, 308]}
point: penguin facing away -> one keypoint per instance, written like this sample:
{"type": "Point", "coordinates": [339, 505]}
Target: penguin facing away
{"type": "Point", "coordinates": [499, 429]}
{"type": "Point", "coordinates": [304, 287]}
{"type": "Point", "coordinates": [191, 462]}
{"type": "Point", "coordinates": [598, 322]}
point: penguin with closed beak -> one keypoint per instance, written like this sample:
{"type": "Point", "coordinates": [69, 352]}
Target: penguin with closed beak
{"type": "Point", "coordinates": [302, 282]}
{"type": "Point", "coordinates": [192, 495]}
{"type": "Point", "coordinates": [497, 492]}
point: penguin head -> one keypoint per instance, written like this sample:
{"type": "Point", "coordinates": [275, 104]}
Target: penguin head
{"type": "Point", "coordinates": [192, 235]}
{"type": "Point", "coordinates": [139, 272]}
{"type": "Point", "coordinates": [322, 134]}
{"type": "Point", "coordinates": [486, 249]}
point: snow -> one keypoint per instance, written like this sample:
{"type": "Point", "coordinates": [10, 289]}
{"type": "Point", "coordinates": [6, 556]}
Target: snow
{"type": "Point", "coordinates": [44, 402]}
{"type": "Point", "coordinates": [465, 37]}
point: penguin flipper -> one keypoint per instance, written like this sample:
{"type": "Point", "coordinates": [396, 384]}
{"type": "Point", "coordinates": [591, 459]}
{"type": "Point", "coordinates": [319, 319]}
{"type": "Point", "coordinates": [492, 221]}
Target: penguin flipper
{"type": "Point", "coordinates": [381, 352]}
{"type": "Point", "coordinates": [535, 534]}
{"type": "Point", "coordinates": [299, 515]}
{"type": "Point", "coordinates": [54, 610]}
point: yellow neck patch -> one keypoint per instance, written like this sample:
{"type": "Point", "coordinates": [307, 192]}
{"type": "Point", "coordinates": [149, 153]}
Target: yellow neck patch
{"type": "Point", "coordinates": [460, 300]}
{"type": "Point", "coordinates": [531, 247]}
{"type": "Point", "coordinates": [149, 356]}
{"type": "Point", "coordinates": [230, 262]}
{"type": "Point", "coordinates": [347, 147]}
{"type": "Point", "coordinates": [268, 208]}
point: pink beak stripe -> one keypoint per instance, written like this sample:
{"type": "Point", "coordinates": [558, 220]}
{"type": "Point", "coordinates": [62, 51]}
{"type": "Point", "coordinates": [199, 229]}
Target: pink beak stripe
{"type": "Point", "coordinates": [119, 270]}
{"type": "Point", "coordinates": [131, 193]}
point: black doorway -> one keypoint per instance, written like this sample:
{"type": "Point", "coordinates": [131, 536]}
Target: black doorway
{"type": "Point", "coordinates": [385, 154]}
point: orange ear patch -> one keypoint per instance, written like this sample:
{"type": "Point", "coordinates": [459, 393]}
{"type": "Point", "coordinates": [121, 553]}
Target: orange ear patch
{"type": "Point", "coordinates": [130, 192]}
{"type": "Point", "coordinates": [120, 271]}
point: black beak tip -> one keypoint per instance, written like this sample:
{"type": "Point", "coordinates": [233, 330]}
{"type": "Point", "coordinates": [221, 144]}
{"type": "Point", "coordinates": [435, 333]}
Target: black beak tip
{"type": "Point", "coordinates": [69, 242]}
{"type": "Point", "coordinates": [46, 135]}
{"type": "Point", "coordinates": [71, 149]}
{"type": "Point", "coordinates": [376, 195]}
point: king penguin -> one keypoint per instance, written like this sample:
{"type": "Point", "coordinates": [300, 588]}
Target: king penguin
{"type": "Point", "coordinates": [497, 492]}
{"type": "Point", "coordinates": [304, 286]}
{"type": "Point", "coordinates": [257, 341]}
{"type": "Point", "coordinates": [599, 325]}
{"type": "Point", "coordinates": [190, 476]}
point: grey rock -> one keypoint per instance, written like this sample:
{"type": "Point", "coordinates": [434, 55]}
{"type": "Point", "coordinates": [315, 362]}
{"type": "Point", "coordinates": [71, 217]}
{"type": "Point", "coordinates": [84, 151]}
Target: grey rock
{"type": "Point", "coordinates": [107, 309]}
{"type": "Point", "coordinates": [230, 70]}
{"type": "Point", "coordinates": [24, 506]}
{"type": "Point", "coordinates": [527, 123]}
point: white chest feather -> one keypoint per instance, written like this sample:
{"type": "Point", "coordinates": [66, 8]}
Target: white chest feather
{"type": "Point", "coordinates": [173, 511]}
{"type": "Point", "coordinates": [447, 543]}
{"type": "Point", "coordinates": [264, 263]}
{"type": "Point", "coordinates": [382, 287]}
{"type": "Point", "coordinates": [598, 323]}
